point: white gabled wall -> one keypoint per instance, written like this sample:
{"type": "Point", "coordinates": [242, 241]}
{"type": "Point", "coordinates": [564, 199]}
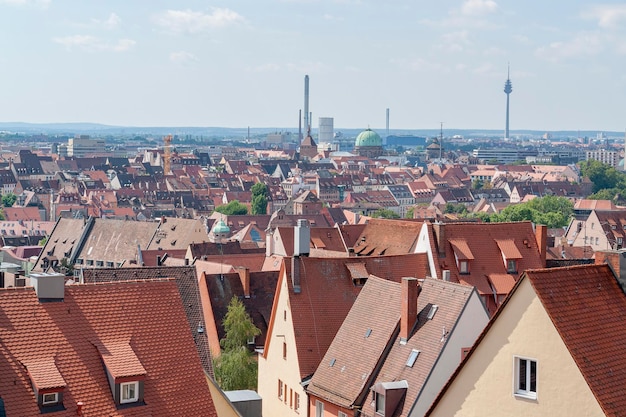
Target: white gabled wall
{"type": "Point", "coordinates": [273, 367]}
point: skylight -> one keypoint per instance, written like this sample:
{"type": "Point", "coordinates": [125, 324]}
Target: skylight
{"type": "Point", "coordinates": [332, 362]}
{"type": "Point", "coordinates": [433, 310]}
{"type": "Point", "coordinates": [412, 358]}
{"type": "Point", "coordinates": [368, 332]}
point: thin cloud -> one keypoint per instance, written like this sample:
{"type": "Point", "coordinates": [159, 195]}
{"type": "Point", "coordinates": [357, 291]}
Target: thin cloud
{"type": "Point", "coordinates": [581, 45]}
{"type": "Point", "coordinates": [189, 21]}
{"type": "Point", "coordinates": [109, 23]}
{"type": "Point", "coordinates": [183, 57]}
{"type": "Point", "coordinates": [42, 4]}
{"type": "Point", "coordinates": [607, 16]}
{"type": "Point", "coordinates": [478, 7]}
{"type": "Point", "coordinates": [91, 43]}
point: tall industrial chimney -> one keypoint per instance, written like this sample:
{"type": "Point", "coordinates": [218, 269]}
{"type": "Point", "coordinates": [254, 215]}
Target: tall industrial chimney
{"type": "Point", "coordinates": [387, 132]}
{"type": "Point", "coordinates": [307, 122]}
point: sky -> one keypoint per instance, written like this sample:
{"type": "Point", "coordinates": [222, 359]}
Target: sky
{"type": "Point", "coordinates": [236, 63]}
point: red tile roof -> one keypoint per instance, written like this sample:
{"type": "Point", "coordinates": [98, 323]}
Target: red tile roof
{"type": "Point", "coordinates": [44, 373]}
{"type": "Point", "coordinates": [318, 312]}
{"type": "Point", "coordinates": [461, 249]}
{"type": "Point", "coordinates": [147, 314]}
{"type": "Point", "coordinates": [588, 308]}
{"type": "Point", "coordinates": [120, 359]}
{"type": "Point", "coordinates": [508, 248]}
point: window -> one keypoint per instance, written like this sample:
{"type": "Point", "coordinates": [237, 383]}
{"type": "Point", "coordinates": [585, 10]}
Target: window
{"type": "Point", "coordinates": [296, 401]}
{"type": "Point", "coordinates": [251, 340]}
{"type": "Point", "coordinates": [464, 267]}
{"type": "Point", "coordinates": [432, 311]}
{"type": "Point", "coordinates": [319, 408]}
{"type": "Point", "coordinates": [290, 398]}
{"type": "Point", "coordinates": [526, 378]}
{"type": "Point", "coordinates": [412, 358]}
{"type": "Point", "coordinates": [284, 350]}
{"type": "Point", "coordinates": [379, 400]}
{"type": "Point", "coordinates": [50, 399]}
{"type": "Point", "coordinates": [280, 389]}
{"type": "Point", "coordinates": [129, 392]}
{"type": "Point", "coordinates": [511, 265]}
{"type": "Point", "coordinates": [341, 414]}
{"type": "Point", "coordinates": [285, 392]}
{"type": "Point", "coordinates": [597, 241]}
{"type": "Point", "coordinates": [90, 262]}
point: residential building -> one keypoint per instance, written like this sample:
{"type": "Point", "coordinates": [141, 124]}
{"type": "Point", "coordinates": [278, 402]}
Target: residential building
{"type": "Point", "coordinates": [98, 350]}
{"type": "Point", "coordinates": [82, 146]}
{"type": "Point", "coordinates": [606, 156]}
{"type": "Point", "coordinates": [551, 349]}
{"type": "Point", "coordinates": [410, 336]}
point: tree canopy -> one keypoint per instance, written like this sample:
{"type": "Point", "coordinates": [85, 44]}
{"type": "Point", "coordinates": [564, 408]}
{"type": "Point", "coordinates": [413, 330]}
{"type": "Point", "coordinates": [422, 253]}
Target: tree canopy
{"type": "Point", "coordinates": [8, 200]}
{"type": "Point", "coordinates": [549, 210]}
{"type": "Point", "coordinates": [233, 208]}
{"type": "Point", "coordinates": [385, 214]}
{"type": "Point", "coordinates": [236, 368]}
{"type": "Point", "coordinates": [259, 198]}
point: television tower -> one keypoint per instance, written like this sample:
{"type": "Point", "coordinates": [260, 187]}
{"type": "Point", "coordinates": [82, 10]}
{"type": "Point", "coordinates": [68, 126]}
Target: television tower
{"type": "Point", "coordinates": [508, 89]}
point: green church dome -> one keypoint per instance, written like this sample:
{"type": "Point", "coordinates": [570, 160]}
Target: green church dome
{"type": "Point", "coordinates": [368, 138]}
{"type": "Point", "coordinates": [221, 228]}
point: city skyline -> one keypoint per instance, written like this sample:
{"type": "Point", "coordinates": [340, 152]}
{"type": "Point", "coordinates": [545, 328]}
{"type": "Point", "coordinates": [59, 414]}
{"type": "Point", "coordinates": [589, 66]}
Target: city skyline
{"type": "Point", "coordinates": [242, 63]}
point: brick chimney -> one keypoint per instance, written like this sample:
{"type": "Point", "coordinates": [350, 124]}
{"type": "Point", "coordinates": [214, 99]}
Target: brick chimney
{"type": "Point", "coordinates": [244, 276]}
{"type": "Point", "coordinates": [617, 263]}
{"type": "Point", "coordinates": [408, 317]}
{"type": "Point", "coordinates": [440, 238]}
{"type": "Point", "coordinates": [541, 234]}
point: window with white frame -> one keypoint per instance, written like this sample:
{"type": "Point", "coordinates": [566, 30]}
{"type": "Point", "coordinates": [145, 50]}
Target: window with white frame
{"type": "Point", "coordinates": [319, 408]}
{"type": "Point", "coordinates": [526, 377]}
{"type": "Point", "coordinates": [379, 402]}
{"type": "Point", "coordinates": [341, 414]}
{"type": "Point", "coordinates": [129, 392]}
{"type": "Point", "coordinates": [50, 398]}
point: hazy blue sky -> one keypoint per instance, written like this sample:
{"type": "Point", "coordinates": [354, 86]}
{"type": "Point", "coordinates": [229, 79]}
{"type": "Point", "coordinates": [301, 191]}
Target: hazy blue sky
{"type": "Point", "coordinates": [242, 63]}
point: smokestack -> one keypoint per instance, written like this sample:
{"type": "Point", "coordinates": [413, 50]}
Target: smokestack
{"type": "Point", "coordinates": [408, 317]}
{"type": "Point", "coordinates": [387, 132]}
{"type": "Point", "coordinates": [300, 125]}
{"type": "Point", "coordinates": [307, 121]}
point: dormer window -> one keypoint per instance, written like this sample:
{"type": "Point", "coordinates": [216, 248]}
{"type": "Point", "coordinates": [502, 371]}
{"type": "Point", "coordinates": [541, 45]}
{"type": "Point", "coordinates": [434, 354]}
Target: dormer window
{"type": "Point", "coordinates": [380, 403]}
{"type": "Point", "coordinates": [510, 254]}
{"type": "Point", "coordinates": [125, 372]}
{"type": "Point", "coordinates": [511, 266]}
{"type": "Point", "coordinates": [47, 382]}
{"type": "Point", "coordinates": [464, 267]}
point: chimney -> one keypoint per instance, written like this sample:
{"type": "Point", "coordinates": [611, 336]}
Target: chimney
{"type": "Point", "coordinates": [617, 263]}
{"type": "Point", "coordinates": [268, 243]}
{"type": "Point", "coordinates": [244, 276]}
{"type": "Point", "coordinates": [49, 287]}
{"type": "Point", "coordinates": [302, 238]}
{"type": "Point", "coordinates": [295, 274]}
{"type": "Point", "coordinates": [440, 238]}
{"type": "Point", "coordinates": [541, 234]}
{"type": "Point", "coordinates": [408, 318]}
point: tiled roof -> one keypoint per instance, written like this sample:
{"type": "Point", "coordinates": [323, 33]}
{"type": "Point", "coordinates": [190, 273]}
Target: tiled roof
{"type": "Point", "coordinates": [187, 284]}
{"type": "Point", "coordinates": [120, 359]}
{"type": "Point", "coordinates": [149, 314]}
{"type": "Point", "coordinates": [370, 324]}
{"type": "Point", "coordinates": [461, 249]}
{"type": "Point", "coordinates": [327, 294]}
{"type": "Point", "coordinates": [387, 237]}
{"type": "Point", "coordinates": [44, 373]}
{"type": "Point", "coordinates": [502, 283]}
{"type": "Point", "coordinates": [588, 308]}
{"type": "Point", "coordinates": [508, 248]}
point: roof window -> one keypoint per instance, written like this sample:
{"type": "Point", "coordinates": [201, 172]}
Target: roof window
{"type": "Point", "coordinates": [432, 311]}
{"type": "Point", "coordinates": [412, 358]}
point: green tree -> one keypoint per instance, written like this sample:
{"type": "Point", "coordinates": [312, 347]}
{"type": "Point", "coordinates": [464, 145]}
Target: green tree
{"type": "Point", "coordinates": [259, 198]}
{"type": "Point", "coordinates": [410, 213]}
{"type": "Point", "coordinates": [236, 367]}
{"type": "Point", "coordinates": [477, 184]}
{"type": "Point", "coordinates": [8, 200]}
{"type": "Point", "coordinates": [232, 209]}
{"type": "Point", "coordinates": [385, 214]}
{"type": "Point", "coordinates": [602, 176]}
{"type": "Point", "coordinates": [550, 210]}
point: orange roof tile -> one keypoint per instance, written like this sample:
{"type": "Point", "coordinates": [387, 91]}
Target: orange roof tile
{"type": "Point", "coordinates": [461, 249]}
{"type": "Point", "coordinates": [508, 248]}
{"type": "Point", "coordinates": [148, 313]}
{"type": "Point", "coordinates": [120, 359]}
{"type": "Point", "coordinates": [502, 283]}
{"type": "Point", "coordinates": [44, 373]}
